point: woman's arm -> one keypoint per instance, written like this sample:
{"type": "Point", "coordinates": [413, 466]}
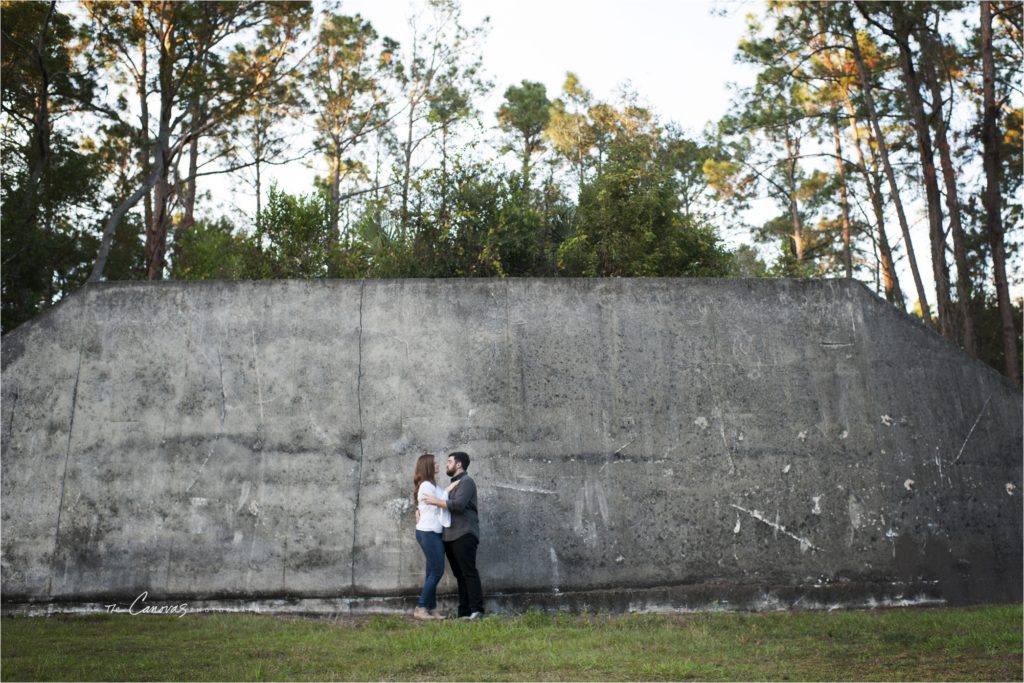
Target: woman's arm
{"type": "Point", "coordinates": [430, 500]}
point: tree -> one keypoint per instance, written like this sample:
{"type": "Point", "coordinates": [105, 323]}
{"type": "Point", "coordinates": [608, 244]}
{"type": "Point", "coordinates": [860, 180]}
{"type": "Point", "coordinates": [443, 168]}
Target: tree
{"type": "Point", "coordinates": [992, 197]}
{"type": "Point", "coordinates": [936, 69]}
{"type": "Point", "coordinates": [443, 55]}
{"type": "Point", "coordinates": [854, 46]}
{"type": "Point", "coordinates": [346, 78]}
{"type": "Point", "coordinates": [525, 114]}
{"type": "Point", "coordinates": [569, 128]}
{"type": "Point", "coordinates": [629, 223]}
{"type": "Point", "coordinates": [195, 66]}
{"type": "Point", "coordinates": [903, 20]}
{"type": "Point", "coordinates": [50, 184]}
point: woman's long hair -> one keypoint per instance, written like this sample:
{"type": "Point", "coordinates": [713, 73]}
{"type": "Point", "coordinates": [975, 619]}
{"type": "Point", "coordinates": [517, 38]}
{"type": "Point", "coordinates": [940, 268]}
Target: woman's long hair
{"type": "Point", "coordinates": [424, 472]}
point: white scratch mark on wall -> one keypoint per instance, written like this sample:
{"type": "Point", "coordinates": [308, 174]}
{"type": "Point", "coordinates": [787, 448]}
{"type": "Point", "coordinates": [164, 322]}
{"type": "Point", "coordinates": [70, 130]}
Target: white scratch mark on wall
{"type": "Point", "coordinates": [246, 486]}
{"type": "Point", "coordinates": [978, 419]}
{"type": "Point", "coordinates": [602, 501]}
{"type": "Point", "coordinates": [200, 472]}
{"type": "Point", "coordinates": [736, 529]}
{"type": "Point", "coordinates": [237, 538]}
{"type": "Point", "coordinates": [524, 489]}
{"type": "Point", "coordinates": [728, 451]}
{"type": "Point", "coordinates": [892, 536]}
{"type": "Point", "coordinates": [701, 422]}
{"type": "Point", "coordinates": [785, 470]}
{"type": "Point", "coordinates": [843, 434]}
{"type": "Point", "coordinates": [1010, 488]}
{"type": "Point", "coordinates": [856, 512]}
{"type": "Point", "coordinates": [908, 484]}
{"type": "Point", "coordinates": [887, 420]}
{"type": "Point", "coordinates": [254, 509]}
{"type": "Point", "coordinates": [624, 445]}
{"type": "Point", "coordinates": [756, 514]}
{"type": "Point", "coordinates": [802, 436]}
{"type": "Point", "coordinates": [555, 581]}
{"type": "Point", "coordinates": [816, 510]}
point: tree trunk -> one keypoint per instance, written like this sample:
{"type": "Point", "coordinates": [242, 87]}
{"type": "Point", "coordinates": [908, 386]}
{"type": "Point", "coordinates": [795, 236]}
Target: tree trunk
{"type": "Point", "coordinates": [144, 146]}
{"type": "Point", "coordinates": [40, 126]}
{"type": "Point", "coordinates": [193, 165]}
{"type": "Point", "coordinates": [890, 282]}
{"type": "Point", "coordinates": [940, 269]}
{"type": "Point", "coordinates": [847, 258]}
{"type": "Point", "coordinates": [443, 213]}
{"type": "Point", "coordinates": [884, 154]}
{"type": "Point", "coordinates": [259, 191]}
{"type": "Point", "coordinates": [115, 219]}
{"type": "Point", "coordinates": [335, 188]}
{"type": "Point", "coordinates": [931, 51]}
{"type": "Point", "coordinates": [156, 231]}
{"type": "Point", "coordinates": [794, 213]}
{"type": "Point", "coordinates": [407, 173]}
{"type": "Point", "coordinates": [992, 198]}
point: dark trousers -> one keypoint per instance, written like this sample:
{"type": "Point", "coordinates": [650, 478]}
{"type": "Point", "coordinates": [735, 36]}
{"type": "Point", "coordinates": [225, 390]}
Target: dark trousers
{"type": "Point", "coordinates": [462, 559]}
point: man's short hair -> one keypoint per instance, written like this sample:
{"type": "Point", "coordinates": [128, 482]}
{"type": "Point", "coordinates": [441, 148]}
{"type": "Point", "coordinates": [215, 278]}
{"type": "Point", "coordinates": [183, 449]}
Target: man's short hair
{"type": "Point", "coordinates": [461, 458]}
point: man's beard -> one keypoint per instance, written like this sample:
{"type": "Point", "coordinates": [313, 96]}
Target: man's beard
{"type": "Point", "coordinates": [450, 471]}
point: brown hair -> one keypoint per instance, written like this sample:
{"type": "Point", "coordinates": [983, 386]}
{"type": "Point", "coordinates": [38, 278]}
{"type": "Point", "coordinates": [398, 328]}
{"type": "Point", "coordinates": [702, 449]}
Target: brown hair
{"type": "Point", "coordinates": [424, 472]}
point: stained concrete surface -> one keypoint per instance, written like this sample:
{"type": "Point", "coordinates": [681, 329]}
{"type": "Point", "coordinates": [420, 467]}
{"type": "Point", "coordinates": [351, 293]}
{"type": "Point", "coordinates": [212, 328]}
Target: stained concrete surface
{"type": "Point", "coordinates": [637, 443]}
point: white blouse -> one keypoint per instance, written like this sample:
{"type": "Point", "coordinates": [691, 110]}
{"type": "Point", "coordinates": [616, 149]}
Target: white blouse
{"type": "Point", "coordinates": [432, 517]}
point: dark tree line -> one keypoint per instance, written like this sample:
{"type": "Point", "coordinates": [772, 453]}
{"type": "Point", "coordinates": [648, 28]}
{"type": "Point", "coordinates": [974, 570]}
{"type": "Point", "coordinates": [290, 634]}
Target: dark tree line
{"type": "Point", "coordinates": [117, 116]}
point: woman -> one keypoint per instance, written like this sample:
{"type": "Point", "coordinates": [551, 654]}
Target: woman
{"type": "Point", "coordinates": [430, 520]}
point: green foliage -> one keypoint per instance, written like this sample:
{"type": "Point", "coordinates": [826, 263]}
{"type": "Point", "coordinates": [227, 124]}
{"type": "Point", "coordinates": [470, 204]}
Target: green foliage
{"type": "Point", "coordinates": [630, 221]}
{"type": "Point", "coordinates": [214, 250]}
{"type": "Point", "coordinates": [296, 240]}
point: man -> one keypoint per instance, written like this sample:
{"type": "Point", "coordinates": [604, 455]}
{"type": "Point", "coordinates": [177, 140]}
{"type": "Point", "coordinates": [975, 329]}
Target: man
{"type": "Point", "coordinates": [463, 536]}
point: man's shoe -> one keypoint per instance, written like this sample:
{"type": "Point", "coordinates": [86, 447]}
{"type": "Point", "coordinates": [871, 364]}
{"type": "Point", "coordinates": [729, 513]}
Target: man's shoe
{"type": "Point", "coordinates": [475, 616]}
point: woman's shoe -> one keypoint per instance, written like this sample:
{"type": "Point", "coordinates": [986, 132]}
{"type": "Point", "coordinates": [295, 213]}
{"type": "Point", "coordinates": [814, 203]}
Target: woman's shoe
{"type": "Point", "coordinates": [421, 614]}
{"type": "Point", "coordinates": [436, 615]}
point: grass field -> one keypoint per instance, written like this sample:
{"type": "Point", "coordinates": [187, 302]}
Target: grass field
{"type": "Point", "coordinates": [983, 643]}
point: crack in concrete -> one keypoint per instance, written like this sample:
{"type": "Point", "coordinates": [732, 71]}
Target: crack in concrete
{"type": "Point", "coordinates": [64, 479]}
{"type": "Point", "coordinates": [359, 410]}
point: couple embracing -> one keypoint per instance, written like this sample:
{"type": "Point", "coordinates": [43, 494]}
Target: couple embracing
{"type": "Point", "coordinates": [447, 524]}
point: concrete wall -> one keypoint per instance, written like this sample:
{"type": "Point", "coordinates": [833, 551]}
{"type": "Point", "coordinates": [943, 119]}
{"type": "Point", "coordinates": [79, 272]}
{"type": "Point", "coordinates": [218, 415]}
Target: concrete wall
{"type": "Point", "coordinates": [636, 443]}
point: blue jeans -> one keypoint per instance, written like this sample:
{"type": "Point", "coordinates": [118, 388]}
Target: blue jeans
{"type": "Point", "coordinates": [433, 549]}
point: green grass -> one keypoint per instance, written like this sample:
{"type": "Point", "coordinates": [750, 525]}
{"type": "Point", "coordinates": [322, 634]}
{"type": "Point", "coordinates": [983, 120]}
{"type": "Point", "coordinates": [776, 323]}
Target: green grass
{"type": "Point", "coordinates": [983, 643]}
